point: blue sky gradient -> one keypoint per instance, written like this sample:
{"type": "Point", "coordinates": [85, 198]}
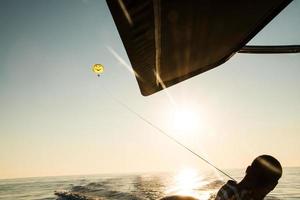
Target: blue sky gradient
{"type": "Point", "coordinates": [57, 119]}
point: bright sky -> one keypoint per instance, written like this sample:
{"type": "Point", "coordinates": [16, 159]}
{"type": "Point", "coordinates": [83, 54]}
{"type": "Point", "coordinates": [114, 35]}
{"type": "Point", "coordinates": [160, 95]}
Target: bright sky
{"type": "Point", "coordinates": [57, 119]}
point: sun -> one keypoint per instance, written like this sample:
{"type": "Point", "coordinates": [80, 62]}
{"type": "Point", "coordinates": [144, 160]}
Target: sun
{"type": "Point", "coordinates": [184, 119]}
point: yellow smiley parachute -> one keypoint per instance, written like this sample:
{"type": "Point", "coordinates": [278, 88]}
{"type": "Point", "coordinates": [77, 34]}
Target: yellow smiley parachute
{"type": "Point", "coordinates": [98, 69]}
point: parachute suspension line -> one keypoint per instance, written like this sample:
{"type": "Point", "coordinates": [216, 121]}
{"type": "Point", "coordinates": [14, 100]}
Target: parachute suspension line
{"type": "Point", "coordinates": [164, 133]}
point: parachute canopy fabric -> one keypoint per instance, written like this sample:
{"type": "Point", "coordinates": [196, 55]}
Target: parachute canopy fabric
{"type": "Point", "coordinates": [98, 68]}
{"type": "Point", "coordinates": [168, 41]}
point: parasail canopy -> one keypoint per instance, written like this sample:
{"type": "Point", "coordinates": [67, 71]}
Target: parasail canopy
{"type": "Point", "coordinates": [169, 41]}
{"type": "Point", "coordinates": [98, 69]}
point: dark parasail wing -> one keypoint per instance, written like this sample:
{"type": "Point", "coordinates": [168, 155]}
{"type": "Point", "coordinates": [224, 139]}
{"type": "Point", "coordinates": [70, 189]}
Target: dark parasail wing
{"type": "Point", "coordinates": [172, 40]}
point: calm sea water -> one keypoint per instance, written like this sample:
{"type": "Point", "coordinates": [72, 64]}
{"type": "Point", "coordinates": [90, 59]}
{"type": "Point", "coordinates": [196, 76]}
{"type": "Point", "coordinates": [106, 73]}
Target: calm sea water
{"type": "Point", "coordinates": [136, 187]}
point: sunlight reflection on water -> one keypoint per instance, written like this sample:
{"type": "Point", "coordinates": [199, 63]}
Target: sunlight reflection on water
{"type": "Point", "coordinates": [188, 182]}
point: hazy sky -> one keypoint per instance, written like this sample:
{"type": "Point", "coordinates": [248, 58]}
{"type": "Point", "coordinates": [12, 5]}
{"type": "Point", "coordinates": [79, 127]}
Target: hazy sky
{"type": "Point", "coordinates": [57, 119]}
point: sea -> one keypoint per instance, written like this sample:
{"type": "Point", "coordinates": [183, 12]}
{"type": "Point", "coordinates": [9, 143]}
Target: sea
{"type": "Point", "coordinates": [142, 186]}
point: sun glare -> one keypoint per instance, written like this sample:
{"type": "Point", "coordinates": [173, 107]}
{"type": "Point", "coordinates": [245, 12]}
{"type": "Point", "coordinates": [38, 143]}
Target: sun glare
{"type": "Point", "coordinates": [187, 182]}
{"type": "Point", "coordinates": [184, 120]}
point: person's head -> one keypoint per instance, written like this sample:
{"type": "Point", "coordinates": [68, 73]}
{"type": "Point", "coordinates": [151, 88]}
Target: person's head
{"type": "Point", "coordinates": [263, 174]}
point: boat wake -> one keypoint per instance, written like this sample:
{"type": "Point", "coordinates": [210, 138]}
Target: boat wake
{"type": "Point", "coordinates": [138, 189]}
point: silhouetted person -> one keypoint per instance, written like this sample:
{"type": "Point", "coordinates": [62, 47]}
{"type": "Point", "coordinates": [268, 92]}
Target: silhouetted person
{"type": "Point", "coordinates": [261, 178]}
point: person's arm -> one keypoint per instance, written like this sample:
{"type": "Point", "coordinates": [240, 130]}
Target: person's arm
{"type": "Point", "coordinates": [227, 191]}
